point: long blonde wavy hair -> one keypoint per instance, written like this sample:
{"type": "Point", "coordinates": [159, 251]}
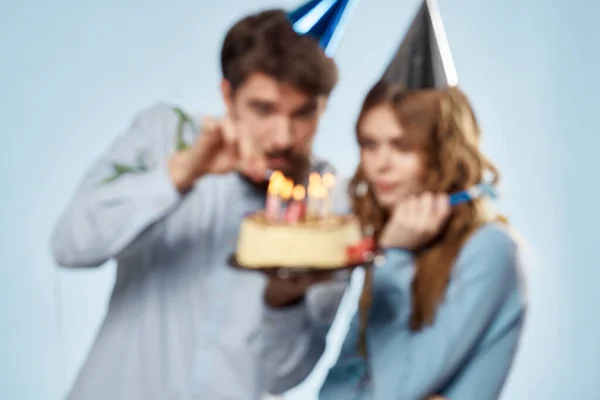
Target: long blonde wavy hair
{"type": "Point", "coordinates": [441, 125]}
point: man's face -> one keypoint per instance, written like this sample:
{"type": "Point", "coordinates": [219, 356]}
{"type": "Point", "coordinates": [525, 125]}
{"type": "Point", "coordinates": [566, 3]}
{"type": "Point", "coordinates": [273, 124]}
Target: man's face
{"type": "Point", "coordinates": [281, 120]}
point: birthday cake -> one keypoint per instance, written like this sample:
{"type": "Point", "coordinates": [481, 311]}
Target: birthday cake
{"type": "Point", "coordinates": [298, 231]}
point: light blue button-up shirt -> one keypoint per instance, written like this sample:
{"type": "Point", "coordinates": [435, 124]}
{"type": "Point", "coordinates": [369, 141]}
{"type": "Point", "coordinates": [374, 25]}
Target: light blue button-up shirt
{"type": "Point", "coordinates": [465, 355]}
{"type": "Point", "coordinates": [180, 324]}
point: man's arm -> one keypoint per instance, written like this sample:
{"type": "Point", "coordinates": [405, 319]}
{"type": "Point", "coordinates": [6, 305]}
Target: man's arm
{"type": "Point", "coordinates": [122, 194]}
{"type": "Point", "coordinates": [293, 338]}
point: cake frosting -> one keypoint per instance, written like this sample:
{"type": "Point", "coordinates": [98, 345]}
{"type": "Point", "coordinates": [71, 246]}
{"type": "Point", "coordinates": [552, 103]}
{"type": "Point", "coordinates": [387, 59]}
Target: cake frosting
{"type": "Point", "coordinates": [320, 243]}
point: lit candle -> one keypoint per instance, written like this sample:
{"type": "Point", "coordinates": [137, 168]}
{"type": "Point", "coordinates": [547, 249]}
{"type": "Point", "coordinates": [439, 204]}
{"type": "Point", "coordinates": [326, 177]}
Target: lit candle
{"type": "Point", "coordinates": [314, 179]}
{"type": "Point", "coordinates": [287, 187]}
{"type": "Point", "coordinates": [319, 194]}
{"type": "Point", "coordinates": [328, 183]}
{"type": "Point", "coordinates": [285, 193]}
{"type": "Point", "coordinates": [273, 206]}
{"type": "Point", "coordinates": [295, 210]}
{"type": "Point", "coordinates": [314, 182]}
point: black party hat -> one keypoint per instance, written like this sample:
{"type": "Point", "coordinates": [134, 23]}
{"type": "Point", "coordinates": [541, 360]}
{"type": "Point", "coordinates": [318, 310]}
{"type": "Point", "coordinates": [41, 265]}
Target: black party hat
{"type": "Point", "coordinates": [423, 59]}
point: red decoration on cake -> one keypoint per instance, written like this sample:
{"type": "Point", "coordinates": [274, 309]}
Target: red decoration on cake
{"type": "Point", "coordinates": [358, 253]}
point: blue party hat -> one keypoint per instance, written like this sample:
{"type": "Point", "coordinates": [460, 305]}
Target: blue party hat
{"type": "Point", "coordinates": [325, 20]}
{"type": "Point", "coordinates": [423, 59]}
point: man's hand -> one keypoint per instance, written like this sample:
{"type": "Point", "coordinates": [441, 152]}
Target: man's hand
{"type": "Point", "coordinates": [416, 221]}
{"type": "Point", "coordinates": [222, 146]}
{"type": "Point", "coordinates": [284, 292]}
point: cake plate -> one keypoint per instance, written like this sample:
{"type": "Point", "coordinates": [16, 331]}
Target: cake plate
{"type": "Point", "coordinates": [283, 272]}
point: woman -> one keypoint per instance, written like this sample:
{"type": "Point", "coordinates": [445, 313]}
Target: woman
{"type": "Point", "coordinates": [446, 309]}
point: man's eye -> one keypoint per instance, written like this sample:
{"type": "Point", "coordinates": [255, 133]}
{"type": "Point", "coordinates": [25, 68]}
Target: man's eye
{"type": "Point", "coordinates": [367, 144]}
{"type": "Point", "coordinates": [263, 110]}
{"type": "Point", "coordinates": [304, 114]}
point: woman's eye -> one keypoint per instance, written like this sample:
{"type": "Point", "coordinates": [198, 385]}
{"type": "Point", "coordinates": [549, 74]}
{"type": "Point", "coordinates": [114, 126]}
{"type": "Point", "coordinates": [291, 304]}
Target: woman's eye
{"type": "Point", "coordinates": [401, 145]}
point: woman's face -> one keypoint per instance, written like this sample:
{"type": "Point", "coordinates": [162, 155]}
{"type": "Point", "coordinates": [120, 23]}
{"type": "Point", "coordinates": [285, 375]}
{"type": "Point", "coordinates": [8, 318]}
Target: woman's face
{"type": "Point", "coordinates": [392, 168]}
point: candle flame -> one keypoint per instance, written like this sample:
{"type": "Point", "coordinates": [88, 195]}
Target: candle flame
{"type": "Point", "coordinates": [286, 189]}
{"type": "Point", "coordinates": [276, 183]}
{"type": "Point", "coordinates": [298, 193]}
{"type": "Point", "coordinates": [328, 180]}
{"type": "Point", "coordinates": [314, 179]}
{"type": "Point", "coordinates": [276, 176]}
{"type": "Point", "coordinates": [273, 189]}
{"type": "Point", "coordinates": [317, 191]}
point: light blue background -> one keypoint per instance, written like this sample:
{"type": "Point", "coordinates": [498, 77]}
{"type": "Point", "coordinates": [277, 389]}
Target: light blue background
{"type": "Point", "coordinates": [73, 73]}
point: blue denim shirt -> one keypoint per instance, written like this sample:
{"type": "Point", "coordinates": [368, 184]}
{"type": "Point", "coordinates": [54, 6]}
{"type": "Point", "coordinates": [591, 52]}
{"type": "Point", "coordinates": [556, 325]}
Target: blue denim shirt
{"type": "Point", "coordinates": [465, 355]}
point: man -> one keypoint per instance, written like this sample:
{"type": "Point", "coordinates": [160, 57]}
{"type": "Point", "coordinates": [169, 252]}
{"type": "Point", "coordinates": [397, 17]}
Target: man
{"type": "Point", "coordinates": [166, 202]}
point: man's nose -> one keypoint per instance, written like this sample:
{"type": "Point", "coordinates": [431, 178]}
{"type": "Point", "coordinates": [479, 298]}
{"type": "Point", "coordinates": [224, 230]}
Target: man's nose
{"type": "Point", "coordinates": [281, 135]}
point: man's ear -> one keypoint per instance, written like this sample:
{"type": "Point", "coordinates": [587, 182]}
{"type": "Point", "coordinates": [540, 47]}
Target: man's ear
{"type": "Point", "coordinates": [227, 95]}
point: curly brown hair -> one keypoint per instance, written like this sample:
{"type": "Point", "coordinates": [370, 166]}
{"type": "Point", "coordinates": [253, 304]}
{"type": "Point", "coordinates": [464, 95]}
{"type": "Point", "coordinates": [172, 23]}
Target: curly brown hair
{"type": "Point", "coordinates": [443, 128]}
{"type": "Point", "coordinates": [266, 42]}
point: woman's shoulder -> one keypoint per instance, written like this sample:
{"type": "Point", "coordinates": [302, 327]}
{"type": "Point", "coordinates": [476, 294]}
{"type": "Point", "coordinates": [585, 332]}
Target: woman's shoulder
{"type": "Point", "coordinates": [493, 258]}
{"type": "Point", "coordinates": [491, 247]}
{"type": "Point", "coordinates": [492, 235]}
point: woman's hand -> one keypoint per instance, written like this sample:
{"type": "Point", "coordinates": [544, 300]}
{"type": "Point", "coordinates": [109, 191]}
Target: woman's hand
{"type": "Point", "coordinates": [415, 221]}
